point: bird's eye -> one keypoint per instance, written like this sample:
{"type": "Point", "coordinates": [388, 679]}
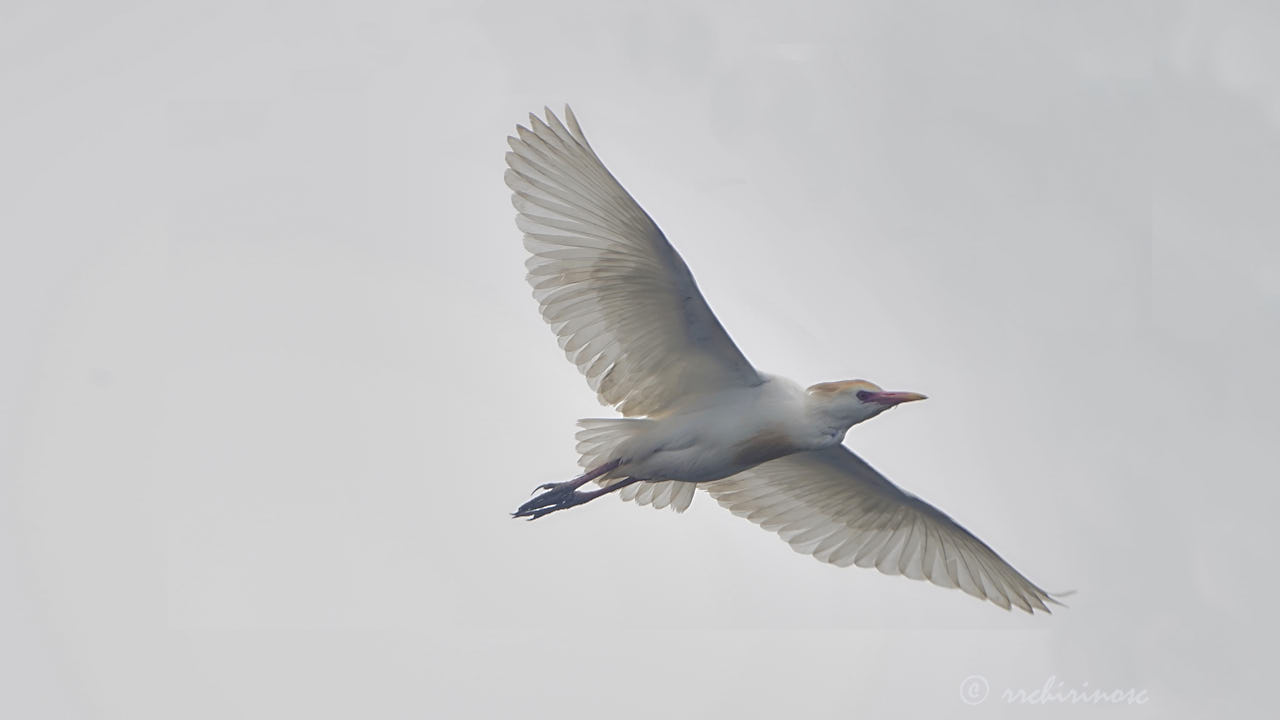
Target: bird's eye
{"type": "Point", "coordinates": [863, 395]}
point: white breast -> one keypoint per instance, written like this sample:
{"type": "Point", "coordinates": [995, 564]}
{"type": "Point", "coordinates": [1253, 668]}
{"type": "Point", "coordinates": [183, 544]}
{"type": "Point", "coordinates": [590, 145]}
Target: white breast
{"type": "Point", "coordinates": [728, 433]}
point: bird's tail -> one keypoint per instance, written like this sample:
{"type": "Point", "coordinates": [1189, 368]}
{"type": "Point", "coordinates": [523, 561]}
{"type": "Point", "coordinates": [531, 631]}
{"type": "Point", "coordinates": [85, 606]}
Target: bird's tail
{"type": "Point", "coordinates": [598, 443]}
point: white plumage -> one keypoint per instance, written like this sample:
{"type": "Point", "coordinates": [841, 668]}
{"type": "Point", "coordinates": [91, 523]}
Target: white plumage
{"type": "Point", "coordinates": [629, 315]}
{"type": "Point", "coordinates": [833, 506]}
{"type": "Point", "coordinates": [609, 283]}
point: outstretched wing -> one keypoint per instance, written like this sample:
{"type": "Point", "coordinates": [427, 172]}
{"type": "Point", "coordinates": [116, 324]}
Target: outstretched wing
{"type": "Point", "coordinates": [832, 505]}
{"type": "Point", "coordinates": [621, 301]}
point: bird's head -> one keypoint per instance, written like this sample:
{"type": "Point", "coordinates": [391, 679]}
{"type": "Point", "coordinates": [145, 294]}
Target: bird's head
{"type": "Point", "coordinates": [852, 401]}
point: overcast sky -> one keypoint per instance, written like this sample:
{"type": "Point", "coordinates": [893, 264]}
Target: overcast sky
{"type": "Point", "coordinates": [272, 380]}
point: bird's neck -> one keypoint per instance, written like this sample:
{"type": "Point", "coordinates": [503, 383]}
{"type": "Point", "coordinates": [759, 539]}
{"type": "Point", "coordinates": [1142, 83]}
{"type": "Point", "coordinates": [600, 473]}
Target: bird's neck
{"type": "Point", "coordinates": [825, 426]}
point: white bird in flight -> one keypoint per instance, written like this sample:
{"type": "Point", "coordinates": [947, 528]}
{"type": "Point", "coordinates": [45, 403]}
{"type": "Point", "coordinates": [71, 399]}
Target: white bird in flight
{"type": "Point", "coordinates": [627, 312]}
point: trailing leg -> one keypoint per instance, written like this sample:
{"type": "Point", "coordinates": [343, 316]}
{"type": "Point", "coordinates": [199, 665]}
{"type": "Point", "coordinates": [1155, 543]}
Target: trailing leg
{"type": "Point", "coordinates": [559, 496]}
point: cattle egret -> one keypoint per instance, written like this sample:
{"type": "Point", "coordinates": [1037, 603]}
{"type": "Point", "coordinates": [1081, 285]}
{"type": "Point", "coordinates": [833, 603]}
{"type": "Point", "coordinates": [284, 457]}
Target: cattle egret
{"type": "Point", "coordinates": [627, 312]}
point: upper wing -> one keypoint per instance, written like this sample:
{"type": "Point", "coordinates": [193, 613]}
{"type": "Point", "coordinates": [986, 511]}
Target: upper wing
{"type": "Point", "coordinates": [619, 298]}
{"type": "Point", "coordinates": [832, 505]}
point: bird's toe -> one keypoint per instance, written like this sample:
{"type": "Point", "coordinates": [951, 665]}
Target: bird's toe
{"type": "Point", "coordinates": [555, 496]}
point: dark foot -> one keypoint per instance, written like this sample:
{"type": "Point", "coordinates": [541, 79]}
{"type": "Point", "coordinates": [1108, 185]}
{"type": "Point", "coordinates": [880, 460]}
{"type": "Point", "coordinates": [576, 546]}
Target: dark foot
{"type": "Point", "coordinates": [559, 496]}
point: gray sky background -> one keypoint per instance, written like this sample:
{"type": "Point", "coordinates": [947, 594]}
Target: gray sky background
{"type": "Point", "coordinates": [271, 378]}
